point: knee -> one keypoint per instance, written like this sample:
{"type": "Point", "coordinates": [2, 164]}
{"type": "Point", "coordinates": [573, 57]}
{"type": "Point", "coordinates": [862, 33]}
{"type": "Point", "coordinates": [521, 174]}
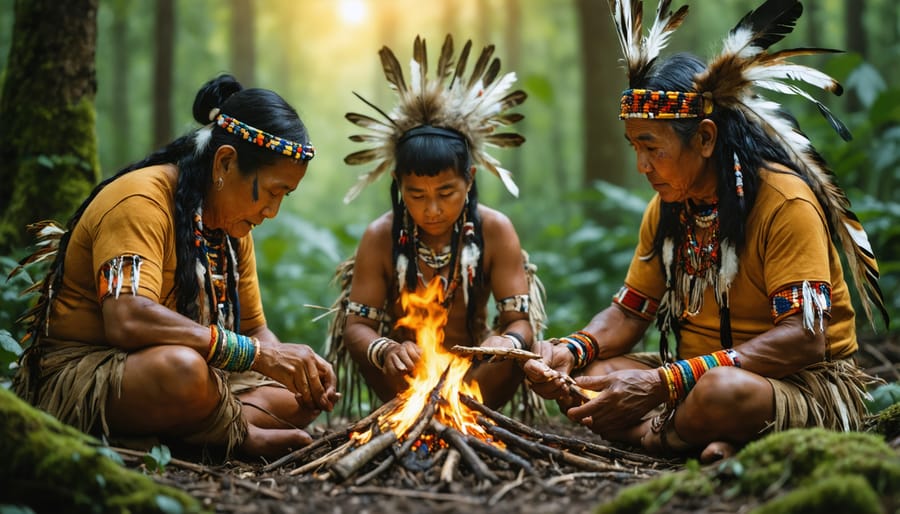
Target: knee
{"type": "Point", "coordinates": [184, 377]}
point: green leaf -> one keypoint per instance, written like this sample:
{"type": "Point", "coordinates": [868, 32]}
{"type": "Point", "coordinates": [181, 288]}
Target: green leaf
{"type": "Point", "coordinates": [9, 343]}
{"type": "Point", "coordinates": [168, 505]}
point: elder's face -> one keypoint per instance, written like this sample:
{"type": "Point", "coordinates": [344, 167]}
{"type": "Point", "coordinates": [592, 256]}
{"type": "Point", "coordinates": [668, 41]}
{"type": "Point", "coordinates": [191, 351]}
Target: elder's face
{"type": "Point", "coordinates": [233, 209]}
{"type": "Point", "coordinates": [677, 171]}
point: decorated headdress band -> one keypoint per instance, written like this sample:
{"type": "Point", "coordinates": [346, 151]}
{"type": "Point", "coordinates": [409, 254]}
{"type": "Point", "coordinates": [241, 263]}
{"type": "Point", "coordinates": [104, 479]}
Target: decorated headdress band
{"type": "Point", "coordinates": [474, 107]}
{"type": "Point", "coordinates": [732, 80]}
{"type": "Point", "coordinates": [645, 103]}
{"type": "Point", "coordinates": [292, 149]}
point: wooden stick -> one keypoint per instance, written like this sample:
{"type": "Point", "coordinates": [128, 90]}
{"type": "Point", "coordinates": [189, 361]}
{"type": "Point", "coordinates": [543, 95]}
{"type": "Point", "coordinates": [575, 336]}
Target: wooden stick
{"type": "Point", "coordinates": [456, 439]}
{"type": "Point", "coordinates": [449, 466]}
{"type": "Point", "coordinates": [350, 463]}
{"type": "Point", "coordinates": [386, 463]}
{"type": "Point", "coordinates": [505, 489]}
{"type": "Point", "coordinates": [494, 354]}
{"type": "Point", "coordinates": [571, 443]}
{"type": "Point", "coordinates": [499, 453]}
{"type": "Point", "coordinates": [325, 459]}
{"type": "Point", "coordinates": [306, 451]}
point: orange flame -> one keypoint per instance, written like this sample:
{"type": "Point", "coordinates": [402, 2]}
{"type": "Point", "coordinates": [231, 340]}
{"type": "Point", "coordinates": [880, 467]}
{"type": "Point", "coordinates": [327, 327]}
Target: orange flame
{"type": "Point", "coordinates": [427, 316]}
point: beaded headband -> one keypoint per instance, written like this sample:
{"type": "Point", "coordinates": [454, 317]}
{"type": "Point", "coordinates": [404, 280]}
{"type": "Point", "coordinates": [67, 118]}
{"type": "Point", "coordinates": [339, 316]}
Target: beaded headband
{"type": "Point", "coordinates": [649, 104]}
{"type": "Point", "coordinates": [262, 138]}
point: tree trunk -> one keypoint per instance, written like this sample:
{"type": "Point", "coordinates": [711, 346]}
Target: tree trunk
{"type": "Point", "coordinates": [51, 467]}
{"type": "Point", "coordinates": [48, 159]}
{"type": "Point", "coordinates": [243, 41]}
{"type": "Point", "coordinates": [162, 73]}
{"type": "Point", "coordinates": [854, 14]}
{"type": "Point", "coordinates": [602, 87]}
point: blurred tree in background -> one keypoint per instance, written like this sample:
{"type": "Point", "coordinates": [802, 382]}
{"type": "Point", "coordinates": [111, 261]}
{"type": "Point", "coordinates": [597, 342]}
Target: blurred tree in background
{"type": "Point", "coordinates": [581, 198]}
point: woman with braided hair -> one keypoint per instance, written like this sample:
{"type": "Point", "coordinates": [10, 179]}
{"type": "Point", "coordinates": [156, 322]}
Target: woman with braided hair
{"type": "Point", "coordinates": [735, 258]}
{"type": "Point", "coordinates": [150, 321]}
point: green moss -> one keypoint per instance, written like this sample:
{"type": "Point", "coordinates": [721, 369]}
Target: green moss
{"type": "Point", "coordinates": [801, 470]}
{"type": "Point", "coordinates": [650, 496]}
{"type": "Point", "coordinates": [48, 464]}
{"type": "Point", "coordinates": [839, 493]}
{"type": "Point", "coordinates": [887, 422]}
{"type": "Point", "coordinates": [798, 457]}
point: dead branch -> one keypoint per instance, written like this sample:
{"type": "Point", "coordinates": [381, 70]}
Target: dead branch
{"type": "Point", "coordinates": [350, 463]}
{"type": "Point", "coordinates": [457, 440]}
{"type": "Point", "coordinates": [325, 459]}
{"type": "Point", "coordinates": [423, 495]}
{"type": "Point", "coordinates": [449, 466]}
{"type": "Point", "coordinates": [494, 354]}
{"type": "Point", "coordinates": [568, 442]}
{"type": "Point", "coordinates": [306, 451]}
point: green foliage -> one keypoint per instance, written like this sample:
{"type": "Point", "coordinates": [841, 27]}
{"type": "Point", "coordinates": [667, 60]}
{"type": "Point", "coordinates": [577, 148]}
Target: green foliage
{"type": "Point", "coordinates": [156, 460]}
{"type": "Point", "coordinates": [883, 397]}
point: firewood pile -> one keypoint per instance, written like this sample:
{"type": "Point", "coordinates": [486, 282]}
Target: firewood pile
{"type": "Point", "coordinates": [495, 456]}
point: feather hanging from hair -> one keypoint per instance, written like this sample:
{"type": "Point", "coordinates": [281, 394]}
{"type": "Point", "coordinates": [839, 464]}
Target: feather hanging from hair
{"type": "Point", "coordinates": [732, 80]}
{"type": "Point", "coordinates": [472, 104]}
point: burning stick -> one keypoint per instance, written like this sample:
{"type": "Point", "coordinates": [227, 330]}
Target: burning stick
{"type": "Point", "coordinates": [306, 451]}
{"type": "Point", "coordinates": [494, 354]}
{"type": "Point", "coordinates": [457, 440]}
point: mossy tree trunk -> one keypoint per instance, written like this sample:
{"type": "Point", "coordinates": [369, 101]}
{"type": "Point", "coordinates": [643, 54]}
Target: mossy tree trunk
{"type": "Point", "coordinates": [48, 159]}
{"type": "Point", "coordinates": [51, 467]}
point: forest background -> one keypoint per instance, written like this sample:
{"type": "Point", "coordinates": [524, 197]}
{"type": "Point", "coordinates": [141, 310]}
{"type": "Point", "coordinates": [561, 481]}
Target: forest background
{"type": "Point", "coordinates": [581, 197]}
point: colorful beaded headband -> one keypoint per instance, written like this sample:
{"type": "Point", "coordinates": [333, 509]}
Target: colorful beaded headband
{"type": "Point", "coordinates": [644, 103]}
{"type": "Point", "coordinates": [291, 149]}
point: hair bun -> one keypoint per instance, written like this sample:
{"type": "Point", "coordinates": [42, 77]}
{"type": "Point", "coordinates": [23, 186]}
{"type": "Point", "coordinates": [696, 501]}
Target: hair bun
{"type": "Point", "coordinates": [212, 95]}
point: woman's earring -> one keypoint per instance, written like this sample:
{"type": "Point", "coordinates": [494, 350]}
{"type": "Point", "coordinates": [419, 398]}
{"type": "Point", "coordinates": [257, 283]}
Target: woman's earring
{"type": "Point", "coordinates": [220, 183]}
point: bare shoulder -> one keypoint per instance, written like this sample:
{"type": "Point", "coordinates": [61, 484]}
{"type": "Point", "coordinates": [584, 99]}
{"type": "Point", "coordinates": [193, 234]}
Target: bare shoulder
{"type": "Point", "coordinates": [494, 222]}
{"type": "Point", "coordinates": [376, 240]}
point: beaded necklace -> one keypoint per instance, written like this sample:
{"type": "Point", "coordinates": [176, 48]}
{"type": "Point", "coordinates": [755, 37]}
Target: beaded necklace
{"type": "Point", "coordinates": [216, 249]}
{"type": "Point", "coordinates": [431, 258]}
{"type": "Point", "coordinates": [698, 257]}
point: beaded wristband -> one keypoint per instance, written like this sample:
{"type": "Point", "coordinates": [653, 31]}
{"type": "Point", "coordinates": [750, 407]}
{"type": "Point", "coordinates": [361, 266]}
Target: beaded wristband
{"type": "Point", "coordinates": [681, 376]}
{"type": "Point", "coordinates": [231, 351]}
{"type": "Point", "coordinates": [376, 350]}
{"type": "Point", "coordinates": [583, 347]}
{"type": "Point", "coordinates": [516, 338]}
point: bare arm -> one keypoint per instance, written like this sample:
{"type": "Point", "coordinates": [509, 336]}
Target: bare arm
{"type": "Point", "coordinates": [506, 268]}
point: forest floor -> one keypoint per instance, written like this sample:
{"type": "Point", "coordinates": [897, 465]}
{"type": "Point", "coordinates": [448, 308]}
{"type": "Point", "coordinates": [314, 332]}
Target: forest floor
{"type": "Point", "coordinates": [238, 487]}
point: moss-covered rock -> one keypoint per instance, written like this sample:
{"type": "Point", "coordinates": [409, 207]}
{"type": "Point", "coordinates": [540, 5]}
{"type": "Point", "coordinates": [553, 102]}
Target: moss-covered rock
{"type": "Point", "coordinates": [801, 470]}
{"type": "Point", "coordinates": [887, 422]}
{"type": "Point", "coordinates": [51, 467]}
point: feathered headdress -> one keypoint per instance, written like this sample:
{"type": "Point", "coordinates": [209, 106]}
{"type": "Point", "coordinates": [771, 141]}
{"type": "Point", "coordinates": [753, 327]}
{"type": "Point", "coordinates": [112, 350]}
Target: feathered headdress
{"type": "Point", "coordinates": [475, 107]}
{"type": "Point", "coordinates": [732, 80]}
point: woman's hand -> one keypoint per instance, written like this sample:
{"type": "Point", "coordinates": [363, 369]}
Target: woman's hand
{"type": "Point", "coordinates": [310, 377]}
{"type": "Point", "coordinates": [624, 397]}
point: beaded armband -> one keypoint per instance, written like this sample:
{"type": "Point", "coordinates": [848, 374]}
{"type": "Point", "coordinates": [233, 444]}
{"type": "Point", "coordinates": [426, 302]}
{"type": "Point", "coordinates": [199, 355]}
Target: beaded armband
{"type": "Point", "coordinates": [366, 311]}
{"type": "Point", "coordinates": [231, 351]}
{"type": "Point", "coordinates": [635, 302]}
{"type": "Point", "coordinates": [811, 298]}
{"type": "Point", "coordinates": [115, 272]}
{"type": "Point", "coordinates": [376, 350]}
{"type": "Point", "coordinates": [681, 376]}
{"type": "Point", "coordinates": [583, 347]}
{"type": "Point", "coordinates": [515, 303]}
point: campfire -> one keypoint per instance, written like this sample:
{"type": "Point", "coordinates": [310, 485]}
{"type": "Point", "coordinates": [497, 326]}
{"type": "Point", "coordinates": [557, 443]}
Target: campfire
{"type": "Point", "coordinates": [439, 429]}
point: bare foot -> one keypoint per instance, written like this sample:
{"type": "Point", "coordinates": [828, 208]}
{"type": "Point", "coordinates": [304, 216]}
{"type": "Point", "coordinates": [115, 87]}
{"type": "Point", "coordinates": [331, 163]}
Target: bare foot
{"type": "Point", "coordinates": [273, 442]}
{"type": "Point", "coordinates": [716, 451]}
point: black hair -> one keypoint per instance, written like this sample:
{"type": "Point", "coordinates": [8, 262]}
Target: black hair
{"type": "Point", "coordinates": [259, 108]}
{"type": "Point", "coordinates": [426, 151]}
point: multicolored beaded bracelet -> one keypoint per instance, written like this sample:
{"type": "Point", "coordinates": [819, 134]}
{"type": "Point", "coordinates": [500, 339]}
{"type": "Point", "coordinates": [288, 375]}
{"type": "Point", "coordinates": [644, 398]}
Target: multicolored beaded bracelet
{"type": "Point", "coordinates": [583, 347]}
{"type": "Point", "coordinates": [231, 351]}
{"type": "Point", "coordinates": [681, 376]}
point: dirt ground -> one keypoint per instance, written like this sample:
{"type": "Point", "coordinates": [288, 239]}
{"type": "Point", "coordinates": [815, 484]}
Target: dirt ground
{"type": "Point", "coordinates": [552, 487]}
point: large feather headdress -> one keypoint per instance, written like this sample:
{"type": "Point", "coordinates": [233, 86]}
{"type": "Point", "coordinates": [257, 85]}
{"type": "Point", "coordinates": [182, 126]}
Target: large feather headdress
{"type": "Point", "coordinates": [733, 80]}
{"type": "Point", "coordinates": [474, 106]}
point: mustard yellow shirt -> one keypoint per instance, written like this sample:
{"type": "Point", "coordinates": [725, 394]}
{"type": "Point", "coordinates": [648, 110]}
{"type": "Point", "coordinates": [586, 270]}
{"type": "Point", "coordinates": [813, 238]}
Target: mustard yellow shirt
{"type": "Point", "coordinates": [133, 215]}
{"type": "Point", "coordinates": [788, 242]}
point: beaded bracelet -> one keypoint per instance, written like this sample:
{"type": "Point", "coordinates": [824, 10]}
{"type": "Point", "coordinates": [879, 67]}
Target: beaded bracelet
{"type": "Point", "coordinates": [517, 339]}
{"type": "Point", "coordinates": [583, 347]}
{"type": "Point", "coordinates": [231, 351]}
{"type": "Point", "coordinates": [681, 376]}
{"type": "Point", "coordinates": [376, 350]}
